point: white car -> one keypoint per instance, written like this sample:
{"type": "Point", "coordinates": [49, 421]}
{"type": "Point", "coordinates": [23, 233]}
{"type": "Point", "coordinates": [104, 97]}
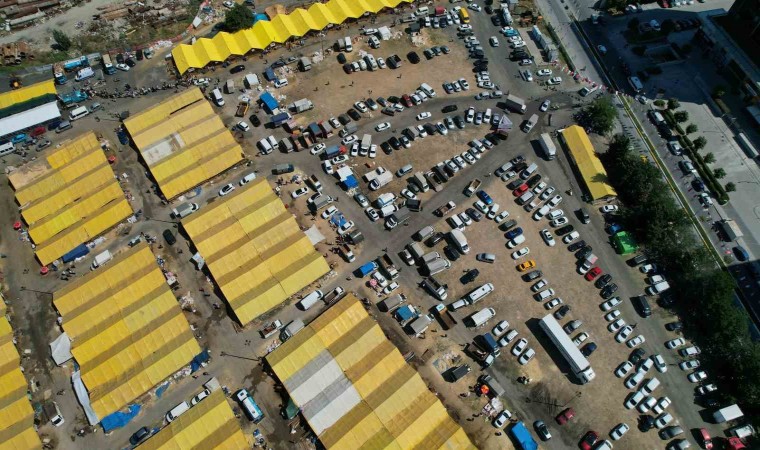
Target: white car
{"type": "Point", "coordinates": [327, 167]}
{"type": "Point", "coordinates": [228, 4]}
{"type": "Point", "coordinates": [226, 190]}
{"type": "Point", "coordinates": [507, 338]}
{"type": "Point", "coordinates": [339, 159]}
{"type": "Point", "coordinates": [317, 149]}
{"type": "Point", "coordinates": [390, 288]}
{"type": "Point", "coordinates": [606, 209]}
{"type": "Point", "coordinates": [633, 399]}
{"type": "Point", "coordinates": [350, 139]}
{"type": "Point", "coordinates": [662, 405]}
{"type": "Point", "coordinates": [329, 212]}
{"type": "Point", "coordinates": [517, 254]}
{"type": "Point", "coordinates": [501, 216]}
{"type": "Point", "coordinates": [408, 194]}
{"type": "Point", "coordinates": [623, 334]}
{"type": "Point", "coordinates": [634, 379]}
{"type": "Point", "coordinates": [689, 365]}
{"type": "Point", "coordinates": [481, 206]}
{"type": "Point", "coordinates": [659, 363]}
{"type": "Point", "coordinates": [544, 72]}
{"type": "Point", "coordinates": [568, 238]}
{"type": "Point", "coordinates": [545, 105]}
{"type": "Point", "coordinates": [519, 346]}
{"type": "Point", "coordinates": [382, 126]}
{"type": "Point", "coordinates": [611, 303]}
{"type": "Point", "coordinates": [553, 303]}
{"type": "Point", "coordinates": [616, 325]}
{"type": "Point", "coordinates": [501, 419]}
{"type": "Point", "coordinates": [548, 238]}
{"type": "Point", "coordinates": [373, 151]}
{"type": "Point", "coordinates": [580, 339]}
{"type": "Point", "coordinates": [242, 126]}
{"type": "Point", "coordinates": [526, 357]}
{"type": "Point", "coordinates": [519, 44]}
{"type": "Point", "coordinates": [619, 431]}
{"type": "Point", "coordinates": [696, 377]}
{"type": "Point", "coordinates": [197, 399]}
{"type": "Point", "coordinates": [300, 192]}
{"type": "Point", "coordinates": [538, 285]}
{"type": "Point", "coordinates": [646, 405]}
{"type": "Point", "coordinates": [493, 211]}
{"type": "Point", "coordinates": [424, 115]}
{"type": "Point", "coordinates": [663, 420]}
{"type": "Point", "coordinates": [612, 315]}
{"type": "Point", "coordinates": [494, 41]}
{"type": "Point", "coordinates": [500, 328]}
{"type": "Point", "coordinates": [623, 369]}
{"type": "Point", "coordinates": [465, 85]}
{"type": "Point", "coordinates": [635, 342]}
{"type": "Point", "coordinates": [346, 227]}
{"type": "Point", "coordinates": [372, 213]}
{"type": "Point", "coordinates": [558, 222]}
{"type": "Point", "coordinates": [554, 81]}
{"type": "Point", "coordinates": [645, 365]}
{"type": "Point", "coordinates": [282, 82]}
{"type": "Point", "coordinates": [123, 67]}
{"type": "Point", "coordinates": [361, 107]}
{"type": "Point", "coordinates": [675, 343]}
{"type": "Point", "coordinates": [474, 7]}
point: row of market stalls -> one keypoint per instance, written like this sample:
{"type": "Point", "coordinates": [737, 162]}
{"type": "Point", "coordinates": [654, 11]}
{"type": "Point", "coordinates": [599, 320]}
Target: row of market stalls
{"type": "Point", "coordinates": [280, 29]}
{"type": "Point", "coordinates": [354, 388]}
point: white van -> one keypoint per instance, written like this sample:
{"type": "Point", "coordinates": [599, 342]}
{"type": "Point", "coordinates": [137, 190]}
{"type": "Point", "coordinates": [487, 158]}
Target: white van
{"type": "Point", "coordinates": [455, 222]}
{"type": "Point", "coordinates": [422, 11]}
{"type": "Point", "coordinates": [525, 198]}
{"type": "Point", "coordinates": [101, 259]}
{"type": "Point", "coordinates": [530, 123]}
{"type": "Point", "coordinates": [216, 96]}
{"type": "Point", "coordinates": [177, 411]}
{"type": "Point", "coordinates": [425, 233]}
{"type": "Point", "coordinates": [427, 89]}
{"type": "Point", "coordinates": [479, 293]}
{"type": "Point", "coordinates": [430, 257]}
{"type": "Point", "coordinates": [248, 178]}
{"type": "Point", "coordinates": [7, 148]}
{"type": "Point", "coordinates": [78, 113]}
{"type": "Point", "coordinates": [311, 300]}
{"type": "Point", "coordinates": [461, 241]}
{"type": "Point", "coordinates": [650, 386]}
{"type": "Point", "coordinates": [516, 241]}
{"type": "Point", "coordinates": [530, 170]}
{"type": "Point", "coordinates": [349, 47]}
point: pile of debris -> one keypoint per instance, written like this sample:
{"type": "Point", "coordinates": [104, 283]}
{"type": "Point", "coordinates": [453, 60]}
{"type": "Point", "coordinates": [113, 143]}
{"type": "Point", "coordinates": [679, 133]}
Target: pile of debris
{"type": "Point", "coordinates": [15, 53]}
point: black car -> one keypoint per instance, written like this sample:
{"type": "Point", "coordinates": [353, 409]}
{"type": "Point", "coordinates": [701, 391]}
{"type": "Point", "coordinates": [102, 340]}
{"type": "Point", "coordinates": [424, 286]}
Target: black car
{"type": "Point", "coordinates": [354, 114]}
{"type": "Point", "coordinates": [382, 101]}
{"type": "Point", "coordinates": [279, 63]}
{"type": "Point", "coordinates": [474, 214]}
{"type": "Point", "coordinates": [603, 281]}
{"type": "Point", "coordinates": [393, 61]}
{"type": "Point", "coordinates": [533, 181]}
{"type": "Point", "coordinates": [430, 128]}
{"type": "Point", "coordinates": [478, 54]}
{"type": "Point", "coordinates": [588, 349]}
{"type": "Point", "coordinates": [561, 312]}
{"type": "Point", "coordinates": [583, 215]}
{"type": "Point", "coordinates": [120, 58]}
{"type": "Point", "coordinates": [564, 230]}
{"type": "Point", "coordinates": [609, 290]}
{"type": "Point", "coordinates": [344, 119]}
{"type": "Point", "coordinates": [470, 276]}
{"type": "Point", "coordinates": [130, 62]}
{"type": "Point", "coordinates": [170, 239]}
{"type": "Point", "coordinates": [646, 423]}
{"type": "Point", "coordinates": [507, 225]}
{"type": "Point", "coordinates": [140, 54]}
{"type": "Point", "coordinates": [386, 148]}
{"type": "Point", "coordinates": [496, 20]}
{"type": "Point", "coordinates": [394, 99]}
{"type": "Point", "coordinates": [698, 185]}
{"type": "Point", "coordinates": [436, 50]}
{"type": "Point", "coordinates": [428, 53]}
{"type": "Point", "coordinates": [139, 435]}
{"type": "Point", "coordinates": [514, 184]}
{"type": "Point", "coordinates": [449, 108]}
{"type": "Point", "coordinates": [255, 121]}
{"type": "Point", "coordinates": [674, 326]}
{"type": "Point", "coordinates": [237, 69]}
{"type": "Point", "coordinates": [459, 122]}
{"type": "Point", "coordinates": [532, 275]}
{"type": "Point", "coordinates": [413, 57]}
{"type": "Point", "coordinates": [584, 252]}
{"type": "Point", "coordinates": [348, 68]}
{"type": "Point", "coordinates": [542, 430]}
{"type": "Point", "coordinates": [341, 58]}
{"type": "Point", "coordinates": [489, 9]}
{"type": "Point", "coordinates": [445, 50]}
{"type": "Point", "coordinates": [576, 245]}
{"type": "Point", "coordinates": [395, 143]}
{"type": "Point", "coordinates": [435, 238]}
{"type": "Point", "coordinates": [637, 355]}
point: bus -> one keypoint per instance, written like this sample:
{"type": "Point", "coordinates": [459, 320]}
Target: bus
{"type": "Point", "coordinates": [464, 16]}
{"type": "Point", "coordinates": [108, 67]}
{"type": "Point", "coordinates": [636, 84]}
{"type": "Point", "coordinates": [578, 363]}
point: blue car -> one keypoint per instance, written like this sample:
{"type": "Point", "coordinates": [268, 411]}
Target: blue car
{"type": "Point", "coordinates": [511, 234]}
{"type": "Point", "coordinates": [21, 137]}
{"type": "Point", "coordinates": [485, 198]}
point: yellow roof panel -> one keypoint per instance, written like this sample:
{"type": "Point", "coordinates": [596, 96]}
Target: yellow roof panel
{"type": "Point", "coordinates": [127, 330]}
{"type": "Point", "coordinates": [27, 93]}
{"type": "Point", "coordinates": [396, 409]}
{"type": "Point", "coordinates": [254, 249]}
{"type": "Point", "coordinates": [588, 163]}
{"type": "Point", "coordinates": [16, 414]}
{"type": "Point", "coordinates": [282, 27]}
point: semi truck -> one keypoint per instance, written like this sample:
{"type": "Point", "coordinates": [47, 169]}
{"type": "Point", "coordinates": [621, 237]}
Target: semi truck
{"type": "Point", "coordinates": [578, 363]}
{"type": "Point", "coordinates": [515, 103]}
{"type": "Point", "coordinates": [386, 263]}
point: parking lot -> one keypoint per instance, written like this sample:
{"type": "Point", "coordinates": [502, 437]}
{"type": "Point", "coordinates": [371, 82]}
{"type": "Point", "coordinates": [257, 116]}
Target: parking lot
{"type": "Point", "coordinates": [598, 406]}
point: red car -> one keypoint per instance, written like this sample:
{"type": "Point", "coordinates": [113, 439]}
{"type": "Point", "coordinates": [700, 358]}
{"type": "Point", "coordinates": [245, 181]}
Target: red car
{"type": "Point", "coordinates": [588, 440]}
{"type": "Point", "coordinates": [565, 416]}
{"type": "Point", "coordinates": [593, 273]}
{"type": "Point", "coordinates": [706, 440]}
{"type": "Point", "coordinates": [520, 190]}
{"type": "Point", "coordinates": [407, 100]}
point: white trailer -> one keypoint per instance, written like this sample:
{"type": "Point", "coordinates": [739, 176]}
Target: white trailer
{"type": "Point", "coordinates": [578, 363]}
{"type": "Point", "coordinates": [547, 145]}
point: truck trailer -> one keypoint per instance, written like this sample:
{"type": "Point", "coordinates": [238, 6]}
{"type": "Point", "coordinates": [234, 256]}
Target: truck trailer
{"type": "Point", "coordinates": [575, 359]}
{"type": "Point", "coordinates": [515, 103]}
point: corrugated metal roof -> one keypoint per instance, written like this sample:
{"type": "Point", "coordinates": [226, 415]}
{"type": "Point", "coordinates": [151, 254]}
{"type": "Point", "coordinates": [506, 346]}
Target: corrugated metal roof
{"type": "Point", "coordinates": [208, 425]}
{"type": "Point", "coordinates": [27, 93]}
{"type": "Point", "coordinates": [254, 249]}
{"type": "Point", "coordinates": [16, 414]}
{"type": "Point", "coordinates": [395, 408]}
{"type": "Point", "coordinates": [183, 142]}
{"type": "Point", "coordinates": [591, 169]}
{"type": "Point", "coordinates": [68, 197]}
{"type": "Point", "coordinates": [281, 28]}
{"type": "Point", "coordinates": [128, 333]}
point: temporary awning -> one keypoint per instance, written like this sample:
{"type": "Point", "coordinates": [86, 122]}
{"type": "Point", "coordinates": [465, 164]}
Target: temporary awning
{"type": "Point", "coordinates": [585, 159]}
{"type": "Point", "coordinates": [29, 118]}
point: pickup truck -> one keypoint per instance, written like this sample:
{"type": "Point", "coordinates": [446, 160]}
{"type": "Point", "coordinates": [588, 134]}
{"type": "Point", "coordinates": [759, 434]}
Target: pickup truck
{"type": "Point", "coordinates": [445, 209]}
{"type": "Point", "coordinates": [242, 109]}
{"type": "Point", "coordinates": [472, 187]}
{"type": "Point", "coordinates": [386, 263]}
{"type": "Point", "coordinates": [270, 329]}
{"type": "Point", "coordinates": [334, 295]}
{"type": "Point", "coordinates": [445, 316]}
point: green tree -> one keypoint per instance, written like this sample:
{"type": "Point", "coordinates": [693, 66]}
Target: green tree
{"type": "Point", "coordinates": [719, 91]}
{"type": "Point", "coordinates": [633, 24]}
{"type": "Point", "coordinates": [730, 187]}
{"type": "Point", "coordinates": [599, 116]}
{"type": "Point", "coordinates": [691, 128]}
{"type": "Point", "coordinates": [62, 41]}
{"type": "Point", "coordinates": [673, 103]}
{"type": "Point", "coordinates": [700, 143]}
{"type": "Point", "coordinates": [681, 116]}
{"type": "Point", "coordinates": [709, 158]}
{"type": "Point", "coordinates": [719, 173]}
{"type": "Point", "coordinates": [659, 103]}
{"type": "Point", "coordinates": [238, 18]}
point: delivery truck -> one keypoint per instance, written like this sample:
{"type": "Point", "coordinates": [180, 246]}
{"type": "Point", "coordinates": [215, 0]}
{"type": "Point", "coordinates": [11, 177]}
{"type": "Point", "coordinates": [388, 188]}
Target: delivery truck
{"type": "Point", "coordinates": [381, 180]}
{"type": "Point", "coordinates": [391, 302]}
{"type": "Point", "coordinates": [291, 329]}
{"type": "Point", "coordinates": [184, 210]}
{"type": "Point", "coordinates": [100, 259]}
{"type": "Point", "coordinates": [481, 317]}
{"type": "Point", "coordinates": [366, 269]}
{"type": "Point", "coordinates": [515, 103]}
{"type": "Point", "coordinates": [386, 264]}
{"type": "Point", "coordinates": [420, 324]}
{"type": "Point", "coordinates": [728, 414]}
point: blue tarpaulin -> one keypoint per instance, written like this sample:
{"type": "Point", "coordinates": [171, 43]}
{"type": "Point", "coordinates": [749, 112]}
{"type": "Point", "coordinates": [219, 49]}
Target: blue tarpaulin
{"type": "Point", "coordinates": [161, 389]}
{"type": "Point", "coordinates": [523, 437]}
{"type": "Point", "coordinates": [119, 419]}
{"type": "Point", "coordinates": [199, 359]}
{"type": "Point", "coordinates": [78, 252]}
{"type": "Point", "coordinates": [350, 182]}
{"type": "Point", "coordinates": [405, 313]}
{"type": "Point", "coordinates": [338, 220]}
{"type": "Point", "coordinates": [269, 102]}
{"type": "Point", "coordinates": [257, 17]}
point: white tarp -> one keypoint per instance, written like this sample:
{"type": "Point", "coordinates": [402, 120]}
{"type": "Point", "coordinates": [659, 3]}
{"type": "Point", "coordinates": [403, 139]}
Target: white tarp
{"type": "Point", "coordinates": [314, 235]}
{"type": "Point", "coordinates": [29, 118]}
{"type": "Point", "coordinates": [84, 397]}
{"type": "Point", "coordinates": [60, 348]}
